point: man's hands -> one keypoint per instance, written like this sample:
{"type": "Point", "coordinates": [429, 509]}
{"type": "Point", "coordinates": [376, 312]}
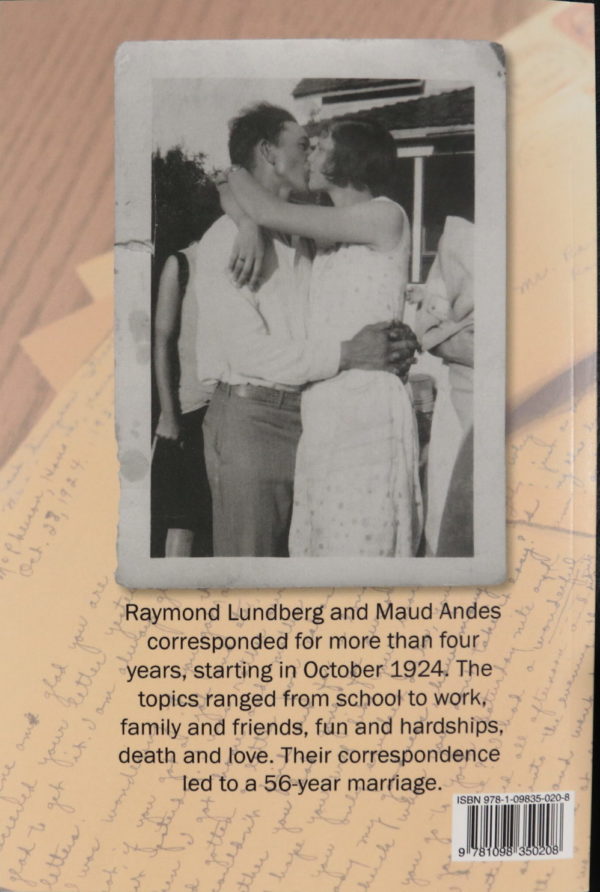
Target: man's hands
{"type": "Point", "coordinates": [384, 346]}
{"type": "Point", "coordinates": [247, 255]}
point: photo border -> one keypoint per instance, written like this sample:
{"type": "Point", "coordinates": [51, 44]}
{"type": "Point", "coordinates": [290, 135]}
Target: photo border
{"type": "Point", "coordinates": [137, 65]}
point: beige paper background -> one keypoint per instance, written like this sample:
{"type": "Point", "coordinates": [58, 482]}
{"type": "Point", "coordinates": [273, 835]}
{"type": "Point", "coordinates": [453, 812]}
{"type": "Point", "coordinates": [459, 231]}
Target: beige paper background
{"type": "Point", "coordinates": [72, 818]}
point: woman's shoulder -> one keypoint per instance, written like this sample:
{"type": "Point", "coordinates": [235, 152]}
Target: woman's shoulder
{"type": "Point", "coordinates": [391, 221]}
{"type": "Point", "coordinates": [392, 206]}
{"type": "Point", "coordinates": [387, 209]}
{"type": "Point", "coordinates": [385, 198]}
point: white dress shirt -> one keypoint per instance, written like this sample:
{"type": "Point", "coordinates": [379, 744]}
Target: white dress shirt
{"type": "Point", "coordinates": [258, 338]}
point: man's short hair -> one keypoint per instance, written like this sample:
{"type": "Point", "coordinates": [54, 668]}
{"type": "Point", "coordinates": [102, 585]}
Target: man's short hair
{"type": "Point", "coordinates": [262, 121]}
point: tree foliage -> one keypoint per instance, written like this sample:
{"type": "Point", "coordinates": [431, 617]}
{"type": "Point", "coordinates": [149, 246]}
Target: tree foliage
{"type": "Point", "coordinates": [185, 202]}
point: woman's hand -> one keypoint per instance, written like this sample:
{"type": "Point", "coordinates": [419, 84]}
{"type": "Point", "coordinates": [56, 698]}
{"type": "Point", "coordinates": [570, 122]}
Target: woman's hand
{"type": "Point", "coordinates": [168, 427]}
{"type": "Point", "coordinates": [246, 260]}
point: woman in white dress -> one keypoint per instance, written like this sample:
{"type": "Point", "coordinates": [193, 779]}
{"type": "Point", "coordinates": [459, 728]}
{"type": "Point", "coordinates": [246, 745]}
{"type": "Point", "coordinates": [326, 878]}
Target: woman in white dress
{"type": "Point", "coordinates": [356, 487]}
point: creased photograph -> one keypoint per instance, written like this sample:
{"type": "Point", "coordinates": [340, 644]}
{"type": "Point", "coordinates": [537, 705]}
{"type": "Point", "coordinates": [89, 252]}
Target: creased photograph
{"type": "Point", "coordinates": [310, 313]}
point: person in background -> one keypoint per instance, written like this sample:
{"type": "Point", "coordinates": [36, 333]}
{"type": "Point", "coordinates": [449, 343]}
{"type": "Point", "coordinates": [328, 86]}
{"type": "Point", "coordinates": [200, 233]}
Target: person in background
{"type": "Point", "coordinates": [180, 490]}
{"type": "Point", "coordinates": [445, 326]}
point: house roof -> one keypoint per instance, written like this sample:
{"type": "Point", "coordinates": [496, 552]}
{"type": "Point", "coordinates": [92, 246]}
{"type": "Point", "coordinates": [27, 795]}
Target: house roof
{"type": "Point", "coordinates": [441, 110]}
{"type": "Point", "coordinates": [311, 85]}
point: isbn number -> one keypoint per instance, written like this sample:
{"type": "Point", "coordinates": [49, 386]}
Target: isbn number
{"type": "Point", "coordinates": [512, 826]}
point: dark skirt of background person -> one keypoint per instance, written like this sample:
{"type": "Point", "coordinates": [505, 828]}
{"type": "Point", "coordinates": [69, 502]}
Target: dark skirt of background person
{"type": "Point", "coordinates": [180, 492]}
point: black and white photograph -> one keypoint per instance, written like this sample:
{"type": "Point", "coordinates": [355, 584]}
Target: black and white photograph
{"type": "Point", "coordinates": [310, 331]}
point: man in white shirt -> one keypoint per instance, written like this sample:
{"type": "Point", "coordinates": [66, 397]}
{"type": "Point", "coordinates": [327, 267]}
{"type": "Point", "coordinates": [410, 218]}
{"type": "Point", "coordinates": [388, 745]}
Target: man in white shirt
{"type": "Point", "coordinates": [254, 345]}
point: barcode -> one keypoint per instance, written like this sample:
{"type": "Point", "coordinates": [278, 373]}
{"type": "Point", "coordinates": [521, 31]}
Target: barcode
{"type": "Point", "coordinates": [512, 826]}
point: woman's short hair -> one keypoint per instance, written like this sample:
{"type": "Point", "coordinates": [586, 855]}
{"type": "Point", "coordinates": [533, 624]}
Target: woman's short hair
{"type": "Point", "coordinates": [363, 156]}
{"type": "Point", "coordinates": [254, 124]}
